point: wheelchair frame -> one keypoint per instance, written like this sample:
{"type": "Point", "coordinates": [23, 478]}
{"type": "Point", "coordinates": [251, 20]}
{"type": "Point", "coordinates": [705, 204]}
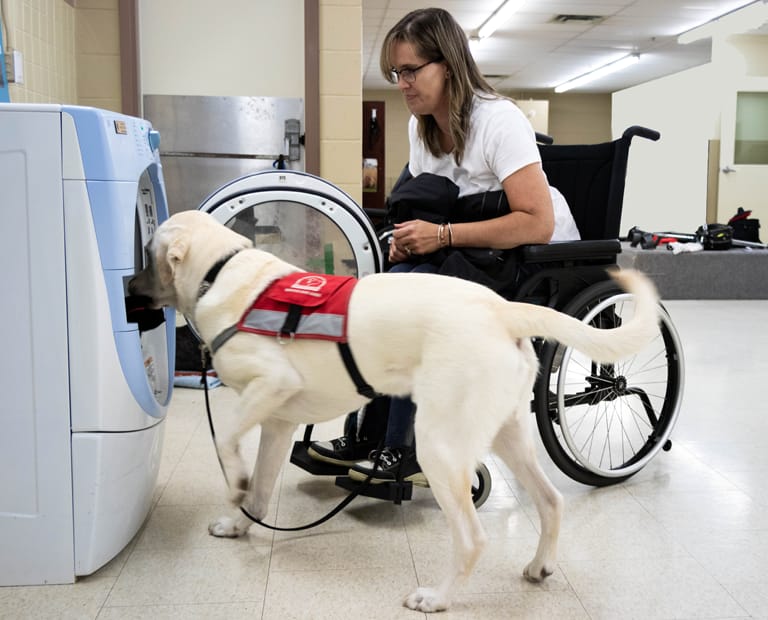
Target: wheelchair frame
{"type": "Point", "coordinates": [600, 423]}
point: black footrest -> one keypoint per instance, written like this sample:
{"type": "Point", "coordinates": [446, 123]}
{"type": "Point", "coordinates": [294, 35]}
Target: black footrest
{"type": "Point", "coordinates": [392, 491]}
{"type": "Point", "coordinates": [300, 457]}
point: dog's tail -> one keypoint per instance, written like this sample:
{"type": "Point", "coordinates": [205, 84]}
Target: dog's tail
{"type": "Point", "coordinates": [602, 345]}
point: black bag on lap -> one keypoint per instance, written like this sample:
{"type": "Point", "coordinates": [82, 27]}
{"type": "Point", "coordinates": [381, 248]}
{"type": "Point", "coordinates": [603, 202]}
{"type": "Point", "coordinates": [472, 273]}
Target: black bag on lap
{"type": "Point", "coordinates": [434, 198]}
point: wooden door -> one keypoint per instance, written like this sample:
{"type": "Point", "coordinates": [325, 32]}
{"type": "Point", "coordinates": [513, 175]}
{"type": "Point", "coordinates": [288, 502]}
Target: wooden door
{"type": "Point", "coordinates": [373, 159]}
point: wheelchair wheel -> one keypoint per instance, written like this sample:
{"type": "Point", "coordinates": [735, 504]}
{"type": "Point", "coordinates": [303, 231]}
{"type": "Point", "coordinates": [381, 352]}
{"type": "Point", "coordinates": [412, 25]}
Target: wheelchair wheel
{"type": "Point", "coordinates": [602, 423]}
{"type": "Point", "coordinates": [481, 485]}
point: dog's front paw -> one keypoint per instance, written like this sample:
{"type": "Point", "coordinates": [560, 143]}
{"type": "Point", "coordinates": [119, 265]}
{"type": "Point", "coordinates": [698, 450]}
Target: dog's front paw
{"type": "Point", "coordinates": [426, 600]}
{"type": "Point", "coordinates": [536, 573]}
{"type": "Point", "coordinates": [226, 527]}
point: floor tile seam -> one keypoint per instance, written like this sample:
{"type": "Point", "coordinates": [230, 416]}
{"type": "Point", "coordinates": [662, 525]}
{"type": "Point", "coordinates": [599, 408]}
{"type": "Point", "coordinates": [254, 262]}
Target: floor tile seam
{"type": "Point", "coordinates": [176, 465]}
{"type": "Point", "coordinates": [701, 459]}
{"type": "Point", "coordinates": [667, 531]}
{"type": "Point", "coordinates": [202, 547]}
{"type": "Point", "coordinates": [740, 487]}
{"type": "Point", "coordinates": [278, 492]}
{"type": "Point", "coordinates": [410, 550]}
{"type": "Point", "coordinates": [704, 570]}
{"type": "Point", "coordinates": [133, 544]}
{"type": "Point", "coordinates": [238, 601]}
{"type": "Point", "coordinates": [572, 588]}
{"type": "Point", "coordinates": [186, 604]}
{"type": "Point", "coordinates": [727, 590]}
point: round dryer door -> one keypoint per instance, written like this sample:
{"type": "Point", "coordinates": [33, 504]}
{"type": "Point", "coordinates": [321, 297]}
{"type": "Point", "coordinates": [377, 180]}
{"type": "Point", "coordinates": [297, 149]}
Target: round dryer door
{"type": "Point", "coordinates": [300, 218]}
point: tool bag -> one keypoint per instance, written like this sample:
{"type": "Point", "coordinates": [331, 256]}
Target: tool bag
{"type": "Point", "coordinates": [715, 236]}
{"type": "Point", "coordinates": [745, 228]}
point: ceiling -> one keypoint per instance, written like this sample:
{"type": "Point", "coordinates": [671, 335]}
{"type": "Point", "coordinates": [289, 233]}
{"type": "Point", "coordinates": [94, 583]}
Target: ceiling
{"type": "Point", "coordinates": [534, 53]}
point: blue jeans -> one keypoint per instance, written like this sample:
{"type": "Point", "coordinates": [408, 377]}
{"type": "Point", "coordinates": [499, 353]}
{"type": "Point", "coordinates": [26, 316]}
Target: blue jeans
{"type": "Point", "coordinates": [402, 410]}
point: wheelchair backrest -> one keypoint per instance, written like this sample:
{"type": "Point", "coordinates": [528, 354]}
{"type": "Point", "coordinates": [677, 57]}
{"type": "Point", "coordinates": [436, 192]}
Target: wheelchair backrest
{"type": "Point", "coordinates": [592, 177]}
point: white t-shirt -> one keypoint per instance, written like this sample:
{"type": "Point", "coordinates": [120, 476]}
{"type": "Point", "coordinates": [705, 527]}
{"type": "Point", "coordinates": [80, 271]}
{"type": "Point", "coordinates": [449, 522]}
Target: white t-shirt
{"type": "Point", "coordinates": [501, 141]}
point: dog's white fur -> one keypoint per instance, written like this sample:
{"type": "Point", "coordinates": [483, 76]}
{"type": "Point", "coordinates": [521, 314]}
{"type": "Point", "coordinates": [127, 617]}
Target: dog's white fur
{"type": "Point", "coordinates": [461, 351]}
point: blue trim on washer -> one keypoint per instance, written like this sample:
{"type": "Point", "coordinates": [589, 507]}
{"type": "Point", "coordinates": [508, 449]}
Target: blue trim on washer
{"type": "Point", "coordinates": [116, 151]}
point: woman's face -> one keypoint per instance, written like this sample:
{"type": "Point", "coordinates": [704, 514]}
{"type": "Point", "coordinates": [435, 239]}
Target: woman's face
{"type": "Point", "coordinates": [427, 94]}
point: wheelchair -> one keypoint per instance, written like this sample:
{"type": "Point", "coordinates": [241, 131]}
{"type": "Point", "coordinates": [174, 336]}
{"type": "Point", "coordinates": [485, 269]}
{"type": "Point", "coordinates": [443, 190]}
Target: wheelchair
{"type": "Point", "coordinates": [599, 423]}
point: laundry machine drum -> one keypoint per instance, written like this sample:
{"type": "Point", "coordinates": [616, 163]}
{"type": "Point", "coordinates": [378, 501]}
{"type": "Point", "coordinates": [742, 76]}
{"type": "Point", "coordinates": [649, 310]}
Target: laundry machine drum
{"type": "Point", "coordinates": [300, 218]}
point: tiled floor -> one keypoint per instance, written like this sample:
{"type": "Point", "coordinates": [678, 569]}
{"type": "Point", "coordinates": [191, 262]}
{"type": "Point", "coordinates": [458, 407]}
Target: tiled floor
{"type": "Point", "coordinates": [687, 537]}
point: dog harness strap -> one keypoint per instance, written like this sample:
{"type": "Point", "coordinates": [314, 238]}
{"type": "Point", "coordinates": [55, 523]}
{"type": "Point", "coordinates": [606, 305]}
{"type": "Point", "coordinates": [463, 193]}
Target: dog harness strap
{"type": "Point", "coordinates": [292, 318]}
{"type": "Point", "coordinates": [354, 373]}
{"type": "Point", "coordinates": [219, 340]}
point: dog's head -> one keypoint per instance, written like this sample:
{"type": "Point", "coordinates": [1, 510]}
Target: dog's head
{"type": "Point", "coordinates": [179, 254]}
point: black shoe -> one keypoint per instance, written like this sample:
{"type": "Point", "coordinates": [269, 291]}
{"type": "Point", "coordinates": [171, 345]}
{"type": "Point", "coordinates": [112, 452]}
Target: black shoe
{"type": "Point", "coordinates": [393, 464]}
{"type": "Point", "coordinates": [341, 451]}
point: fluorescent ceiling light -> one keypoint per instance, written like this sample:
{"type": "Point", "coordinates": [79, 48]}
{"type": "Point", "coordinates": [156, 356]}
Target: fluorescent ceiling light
{"type": "Point", "coordinates": [611, 67]}
{"type": "Point", "coordinates": [740, 20]}
{"type": "Point", "coordinates": [474, 44]}
{"type": "Point", "coordinates": [499, 17]}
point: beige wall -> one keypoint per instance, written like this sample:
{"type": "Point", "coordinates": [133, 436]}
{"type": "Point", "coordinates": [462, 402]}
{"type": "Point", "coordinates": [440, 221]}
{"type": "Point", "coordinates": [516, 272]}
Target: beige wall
{"type": "Point", "coordinates": [341, 100]}
{"type": "Point", "coordinates": [574, 118]}
{"type": "Point", "coordinates": [44, 32]}
{"type": "Point", "coordinates": [98, 54]}
{"type": "Point", "coordinates": [232, 48]}
{"type": "Point", "coordinates": [70, 55]}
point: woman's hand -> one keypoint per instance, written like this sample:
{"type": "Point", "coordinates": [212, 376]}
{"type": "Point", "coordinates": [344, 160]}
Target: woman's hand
{"type": "Point", "coordinates": [397, 254]}
{"type": "Point", "coordinates": [414, 237]}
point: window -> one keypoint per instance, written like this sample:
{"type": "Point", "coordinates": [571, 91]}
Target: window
{"type": "Point", "coordinates": [751, 145]}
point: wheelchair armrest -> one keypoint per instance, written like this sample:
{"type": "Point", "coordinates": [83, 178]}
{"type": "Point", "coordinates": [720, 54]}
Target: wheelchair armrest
{"type": "Point", "coordinates": [374, 213]}
{"type": "Point", "coordinates": [594, 249]}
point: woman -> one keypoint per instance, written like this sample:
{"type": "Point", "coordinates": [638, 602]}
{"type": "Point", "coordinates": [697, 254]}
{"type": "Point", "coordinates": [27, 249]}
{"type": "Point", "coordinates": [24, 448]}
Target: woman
{"type": "Point", "coordinates": [462, 130]}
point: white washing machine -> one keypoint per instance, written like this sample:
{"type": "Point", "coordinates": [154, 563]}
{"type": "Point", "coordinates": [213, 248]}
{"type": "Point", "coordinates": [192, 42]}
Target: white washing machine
{"type": "Point", "coordinates": [84, 392]}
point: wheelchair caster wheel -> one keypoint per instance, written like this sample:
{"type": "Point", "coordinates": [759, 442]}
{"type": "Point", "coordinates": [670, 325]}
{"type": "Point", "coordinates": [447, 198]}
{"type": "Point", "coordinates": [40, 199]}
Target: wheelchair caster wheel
{"type": "Point", "coordinates": [667, 445]}
{"type": "Point", "coordinates": [481, 485]}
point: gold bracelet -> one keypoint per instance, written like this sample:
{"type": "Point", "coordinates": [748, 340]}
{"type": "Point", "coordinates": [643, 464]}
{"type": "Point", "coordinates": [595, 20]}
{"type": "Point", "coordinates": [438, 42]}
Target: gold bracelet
{"type": "Point", "coordinates": [441, 236]}
{"type": "Point", "coordinates": [450, 235]}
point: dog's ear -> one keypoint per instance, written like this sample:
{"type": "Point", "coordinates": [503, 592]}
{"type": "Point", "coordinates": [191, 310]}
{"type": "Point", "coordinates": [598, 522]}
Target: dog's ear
{"type": "Point", "coordinates": [177, 250]}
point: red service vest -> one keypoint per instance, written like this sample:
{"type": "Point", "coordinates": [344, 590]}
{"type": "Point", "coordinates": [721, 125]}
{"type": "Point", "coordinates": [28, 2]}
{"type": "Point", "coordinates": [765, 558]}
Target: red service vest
{"type": "Point", "coordinates": [318, 301]}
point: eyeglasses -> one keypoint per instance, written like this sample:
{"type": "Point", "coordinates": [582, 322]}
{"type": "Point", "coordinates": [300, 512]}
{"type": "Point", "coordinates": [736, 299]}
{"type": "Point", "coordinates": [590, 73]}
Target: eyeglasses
{"type": "Point", "coordinates": [409, 75]}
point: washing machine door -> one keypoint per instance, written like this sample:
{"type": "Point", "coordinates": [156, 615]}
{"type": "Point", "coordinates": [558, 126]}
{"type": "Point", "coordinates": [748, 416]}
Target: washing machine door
{"type": "Point", "coordinates": [300, 218]}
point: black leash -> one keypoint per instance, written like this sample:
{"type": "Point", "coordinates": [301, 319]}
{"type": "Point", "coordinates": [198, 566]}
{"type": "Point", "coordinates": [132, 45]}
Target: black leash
{"type": "Point", "coordinates": [339, 507]}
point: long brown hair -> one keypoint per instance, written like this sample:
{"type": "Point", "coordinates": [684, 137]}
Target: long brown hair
{"type": "Point", "coordinates": [435, 35]}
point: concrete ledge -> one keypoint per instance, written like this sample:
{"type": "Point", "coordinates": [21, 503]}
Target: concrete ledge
{"type": "Point", "coordinates": [737, 273]}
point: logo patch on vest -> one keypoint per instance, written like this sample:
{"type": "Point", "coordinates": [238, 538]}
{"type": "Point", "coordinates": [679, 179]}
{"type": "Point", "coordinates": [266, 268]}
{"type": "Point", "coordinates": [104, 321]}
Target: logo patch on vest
{"type": "Point", "coordinates": [302, 305]}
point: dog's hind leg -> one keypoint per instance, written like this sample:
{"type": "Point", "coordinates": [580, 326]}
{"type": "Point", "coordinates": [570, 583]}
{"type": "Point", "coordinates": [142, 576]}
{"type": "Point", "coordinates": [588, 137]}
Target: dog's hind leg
{"type": "Point", "coordinates": [514, 444]}
{"type": "Point", "coordinates": [449, 471]}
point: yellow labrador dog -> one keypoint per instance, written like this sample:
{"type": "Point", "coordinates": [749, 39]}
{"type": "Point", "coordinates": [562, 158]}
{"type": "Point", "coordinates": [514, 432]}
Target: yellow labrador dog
{"type": "Point", "coordinates": [462, 352]}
